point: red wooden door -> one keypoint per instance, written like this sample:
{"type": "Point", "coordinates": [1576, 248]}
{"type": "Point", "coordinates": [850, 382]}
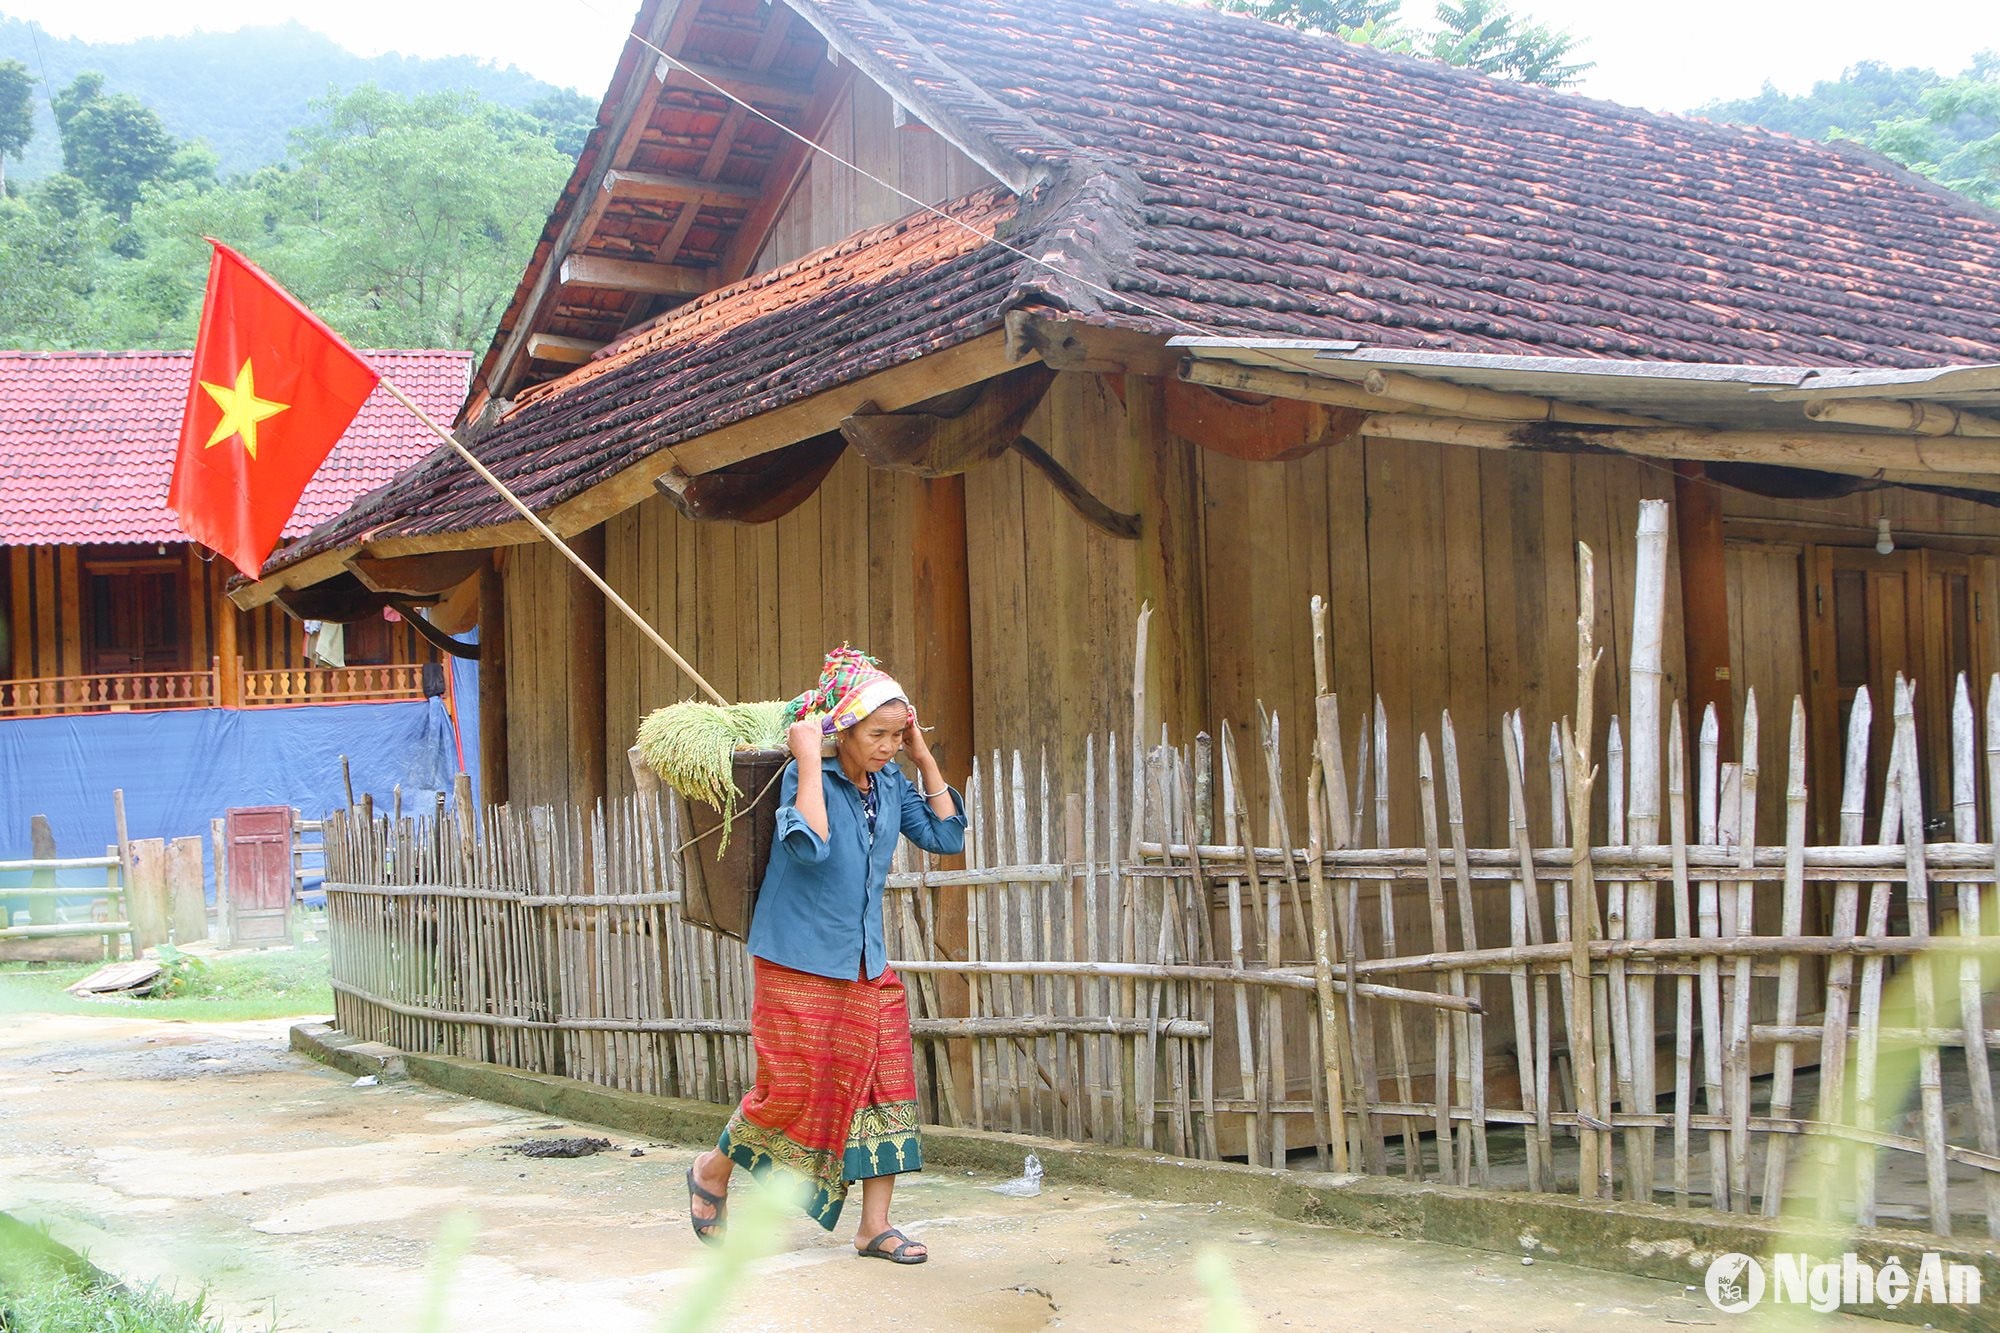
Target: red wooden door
{"type": "Point", "coordinates": [260, 874]}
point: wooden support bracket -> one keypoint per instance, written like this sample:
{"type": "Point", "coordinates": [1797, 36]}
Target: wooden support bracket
{"type": "Point", "coordinates": [756, 490]}
{"type": "Point", "coordinates": [954, 432]}
{"type": "Point", "coordinates": [1091, 509]}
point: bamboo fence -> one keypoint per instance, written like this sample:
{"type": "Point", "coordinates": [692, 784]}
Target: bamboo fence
{"type": "Point", "coordinates": [1130, 955]}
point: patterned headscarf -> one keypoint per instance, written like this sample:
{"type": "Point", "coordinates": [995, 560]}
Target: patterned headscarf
{"type": "Point", "coordinates": [851, 686]}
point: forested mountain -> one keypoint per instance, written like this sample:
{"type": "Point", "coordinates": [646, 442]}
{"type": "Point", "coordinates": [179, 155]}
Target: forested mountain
{"type": "Point", "coordinates": [1947, 128]}
{"type": "Point", "coordinates": [241, 93]}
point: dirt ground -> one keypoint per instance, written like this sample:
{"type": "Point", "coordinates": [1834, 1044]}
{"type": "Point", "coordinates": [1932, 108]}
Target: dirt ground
{"type": "Point", "coordinates": [208, 1155]}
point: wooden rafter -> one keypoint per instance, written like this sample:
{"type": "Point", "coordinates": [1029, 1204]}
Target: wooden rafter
{"type": "Point", "coordinates": [669, 29]}
{"type": "Point", "coordinates": [631, 275]}
{"type": "Point", "coordinates": [653, 187]}
{"type": "Point", "coordinates": [556, 347]}
{"type": "Point", "coordinates": [769, 44]}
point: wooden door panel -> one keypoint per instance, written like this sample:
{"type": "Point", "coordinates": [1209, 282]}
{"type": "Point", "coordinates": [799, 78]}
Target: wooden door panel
{"type": "Point", "coordinates": [260, 874]}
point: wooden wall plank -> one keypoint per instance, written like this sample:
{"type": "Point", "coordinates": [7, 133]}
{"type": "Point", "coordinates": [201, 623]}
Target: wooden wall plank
{"type": "Point", "coordinates": [48, 654]}
{"type": "Point", "coordinates": [21, 609]}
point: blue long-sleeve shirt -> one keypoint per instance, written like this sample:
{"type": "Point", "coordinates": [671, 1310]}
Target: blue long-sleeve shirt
{"type": "Point", "coordinates": [819, 908]}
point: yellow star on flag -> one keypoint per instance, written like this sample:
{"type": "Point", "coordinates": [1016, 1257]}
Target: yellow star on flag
{"type": "Point", "coordinates": [242, 409]}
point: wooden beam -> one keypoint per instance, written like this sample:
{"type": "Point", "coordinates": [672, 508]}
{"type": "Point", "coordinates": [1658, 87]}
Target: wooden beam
{"type": "Point", "coordinates": [561, 350]}
{"type": "Point", "coordinates": [1068, 344]}
{"type": "Point", "coordinates": [670, 24]}
{"type": "Point", "coordinates": [1270, 430]}
{"type": "Point", "coordinates": [757, 490]}
{"type": "Point", "coordinates": [493, 682]}
{"type": "Point", "coordinates": [631, 275]}
{"type": "Point", "coordinates": [652, 187]}
{"type": "Point", "coordinates": [417, 575]}
{"type": "Point", "coordinates": [1380, 392]}
{"type": "Point", "coordinates": [1167, 486]}
{"type": "Point", "coordinates": [1899, 415]}
{"type": "Point", "coordinates": [228, 623]}
{"type": "Point", "coordinates": [1704, 598]}
{"type": "Point", "coordinates": [949, 436]}
{"type": "Point", "coordinates": [763, 91]}
{"type": "Point", "coordinates": [1935, 459]}
{"type": "Point", "coordinates": [1076, 495]}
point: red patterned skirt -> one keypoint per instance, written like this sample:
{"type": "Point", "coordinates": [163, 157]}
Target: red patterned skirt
{"type": "Point", "coordinates": [836, 1093]}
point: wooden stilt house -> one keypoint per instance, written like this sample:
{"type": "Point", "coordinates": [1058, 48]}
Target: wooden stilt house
{"type": "Point", "coordinates": [106, 606]}
{"type": "Point", "coordinates": [959, 328]}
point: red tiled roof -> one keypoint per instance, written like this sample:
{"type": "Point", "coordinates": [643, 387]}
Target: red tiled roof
{"type": "Point", "coordinates": [87, 442]}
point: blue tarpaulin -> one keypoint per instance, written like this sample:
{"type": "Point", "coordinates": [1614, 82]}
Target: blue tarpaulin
{"type": "Point", "coordinates": [183, 768]}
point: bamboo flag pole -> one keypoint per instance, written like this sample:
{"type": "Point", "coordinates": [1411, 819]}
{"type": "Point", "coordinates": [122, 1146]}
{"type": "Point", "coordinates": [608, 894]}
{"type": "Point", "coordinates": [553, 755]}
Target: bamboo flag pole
{"type": "Point", "coordinates": [548, 532]}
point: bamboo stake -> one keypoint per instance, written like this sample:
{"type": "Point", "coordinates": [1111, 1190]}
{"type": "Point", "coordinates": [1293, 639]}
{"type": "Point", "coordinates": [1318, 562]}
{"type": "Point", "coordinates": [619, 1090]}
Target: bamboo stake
{"type": "Point", "coordinates": [1710, 925]}
{"type": "Point", "coordinates": [1434, 884]}
{"type": "Point", "coordinates": [1792, 922]}
{"type": "Point", "coordinates": [1594, 1168]}
{"type": "Point", "coordinates": [1322, 938]}
{"type": "Point", "coordinates": [1527, 1051]}
{"type": "Point", "coordinates": [1363, 1138]}
{"type": "Point", "coordinates": [1870, 1025]}
{"type": "Point", "coordinates": [1256, 1130]}
{"type": "Point", "coordinates": [1474, 1041]}
{"type": "Point", "coordinates": [1930, 1075]}
{"type": "Point", "coordinates": [1736, 1058]}
{"type": "Point", "coordinates": [1971, 988]}
{"type": "Point", "coordinates": [1399, 1044]}
{"type": "Point", "coordinates": [1683, 929]}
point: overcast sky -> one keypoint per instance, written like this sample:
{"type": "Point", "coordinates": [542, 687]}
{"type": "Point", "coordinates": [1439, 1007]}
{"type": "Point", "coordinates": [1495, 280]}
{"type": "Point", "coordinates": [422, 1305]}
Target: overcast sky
{"type": "Point", "coordinates": [1669, 56]}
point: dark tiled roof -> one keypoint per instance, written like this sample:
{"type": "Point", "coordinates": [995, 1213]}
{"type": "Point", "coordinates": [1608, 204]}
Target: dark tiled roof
{"type": "Point", "coordinates": [883, 297]}
{"type": "Point", "coordinates": [1291, 184]}
{"type": "Point", "coordinates": [1205, 173]}
{"type": "Point", "coordinates": [87, 442]}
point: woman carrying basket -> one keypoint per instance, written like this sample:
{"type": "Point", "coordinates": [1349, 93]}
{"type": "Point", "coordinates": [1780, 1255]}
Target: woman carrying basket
{"type": "Point", "coordinates": [835, 1099]}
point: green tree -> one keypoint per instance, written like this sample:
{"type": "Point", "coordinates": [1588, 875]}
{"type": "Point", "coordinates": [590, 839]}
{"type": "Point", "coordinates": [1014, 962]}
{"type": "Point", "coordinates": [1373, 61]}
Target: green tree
{"type": "Point", "coordinates": [1336, 16]}
{"type": "Point", "coordinates": [114, 144]}
{"type": "Point", "coordinates": [54, 244]}
{"type": "Point", "coordinates": [407, 221]}
{"type": "Point", "coordinates": [1956, 139]}
{"type": "Point", "coordinates": [566, 117]}
{"type": "Point", "coordinates": [1485, 35]}
{"type": "Point", "coordinates": [17, 113]}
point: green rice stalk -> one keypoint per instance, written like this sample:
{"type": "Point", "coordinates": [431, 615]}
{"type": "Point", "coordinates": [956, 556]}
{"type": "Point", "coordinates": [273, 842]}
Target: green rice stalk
{"type": "Point", "coordinates": [692, 746]}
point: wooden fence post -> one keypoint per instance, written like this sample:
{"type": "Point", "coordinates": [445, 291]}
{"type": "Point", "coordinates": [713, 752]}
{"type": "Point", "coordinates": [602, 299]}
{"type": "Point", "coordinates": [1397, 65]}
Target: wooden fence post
{"type": "Point", "coordinates": [146, 893]}
{"type": "Point", "coordinates": [186, 900]}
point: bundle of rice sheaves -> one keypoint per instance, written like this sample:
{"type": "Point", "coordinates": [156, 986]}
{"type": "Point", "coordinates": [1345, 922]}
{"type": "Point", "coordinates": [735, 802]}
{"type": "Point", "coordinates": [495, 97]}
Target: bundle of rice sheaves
{"type": "Point", "coordinates": [692, 746]}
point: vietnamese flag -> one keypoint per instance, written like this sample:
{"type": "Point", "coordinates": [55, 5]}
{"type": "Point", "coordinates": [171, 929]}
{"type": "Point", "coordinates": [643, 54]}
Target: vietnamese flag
{"type": "Point", "coordinates": [273, 390]}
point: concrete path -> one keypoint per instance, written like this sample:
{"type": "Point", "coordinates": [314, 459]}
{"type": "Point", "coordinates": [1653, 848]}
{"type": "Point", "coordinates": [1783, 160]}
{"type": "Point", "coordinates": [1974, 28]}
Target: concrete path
{"type": "Point", "coordinates": [211, 1156]}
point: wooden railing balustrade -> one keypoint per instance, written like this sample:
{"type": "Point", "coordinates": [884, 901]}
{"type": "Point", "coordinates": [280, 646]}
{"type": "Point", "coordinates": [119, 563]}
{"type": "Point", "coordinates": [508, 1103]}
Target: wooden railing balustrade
{"type": "Point", "coordinates": [218, 686]}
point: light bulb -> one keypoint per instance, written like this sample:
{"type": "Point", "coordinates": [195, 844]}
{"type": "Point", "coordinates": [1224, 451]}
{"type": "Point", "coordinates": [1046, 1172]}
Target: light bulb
{"type": "Point", "coordinates": [1884, 543]}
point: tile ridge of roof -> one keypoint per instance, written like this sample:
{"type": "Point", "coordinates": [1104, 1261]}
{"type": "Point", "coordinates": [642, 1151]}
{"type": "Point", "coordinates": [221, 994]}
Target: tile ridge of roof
{"type": "Point", "coordinates": [1413, 62]}
{"type": "Point", "coordinates": [89, 353]}
{"type": "Point", "coordinates": [1086, 222]}
{"type": "Point", "coordinates": [1019, 169]}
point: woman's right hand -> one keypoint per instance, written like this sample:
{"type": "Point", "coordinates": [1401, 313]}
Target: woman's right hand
{"type": "Point", "coordinates": [804, 740]}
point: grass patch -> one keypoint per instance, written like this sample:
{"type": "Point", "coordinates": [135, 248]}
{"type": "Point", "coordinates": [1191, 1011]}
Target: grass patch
{"type": "Point", "coordinates": [45, 1288]}
{"type": "Point", "coordinates": [269, 983]}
